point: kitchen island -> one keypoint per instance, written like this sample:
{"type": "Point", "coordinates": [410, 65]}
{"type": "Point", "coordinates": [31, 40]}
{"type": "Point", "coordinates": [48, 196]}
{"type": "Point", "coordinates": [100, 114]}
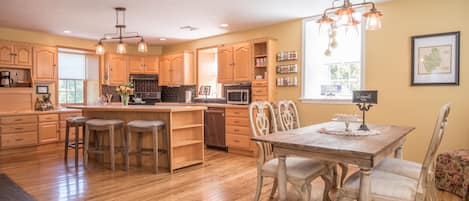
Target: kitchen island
{"type": "Point", "coordinates": [184, 125]}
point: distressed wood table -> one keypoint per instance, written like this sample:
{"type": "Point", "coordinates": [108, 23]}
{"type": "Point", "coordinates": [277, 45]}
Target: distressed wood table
{"type": "Point", "coordinates": [364, 151]}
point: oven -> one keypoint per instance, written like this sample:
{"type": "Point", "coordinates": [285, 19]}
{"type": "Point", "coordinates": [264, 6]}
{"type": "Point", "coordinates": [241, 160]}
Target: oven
{"type": "Point", "coordinates": [238, 96]}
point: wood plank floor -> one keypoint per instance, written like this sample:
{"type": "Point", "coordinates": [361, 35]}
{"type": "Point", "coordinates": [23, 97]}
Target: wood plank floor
{"type": "Point", "coordinates": [43, 173]}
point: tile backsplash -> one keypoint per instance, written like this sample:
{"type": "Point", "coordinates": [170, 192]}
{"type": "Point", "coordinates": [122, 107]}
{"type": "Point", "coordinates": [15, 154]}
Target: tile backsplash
{"type": "Point", "coordinates": [110, 90]}
{"type": "Point", "coordinates": [176, 94]}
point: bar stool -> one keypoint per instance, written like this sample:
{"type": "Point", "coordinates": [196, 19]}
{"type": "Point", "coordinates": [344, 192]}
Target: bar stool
{"type": "Point", "coordinates": [141, 127]}
{"type": "Point", "coordinates": [97, 125]}
{"type": "Point", "coordinates": [75, 122]}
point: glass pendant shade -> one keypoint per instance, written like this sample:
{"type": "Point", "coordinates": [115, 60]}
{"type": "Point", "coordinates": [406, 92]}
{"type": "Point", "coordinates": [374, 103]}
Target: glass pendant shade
{"type": "Point", "coordinates": [325, 21]}
{"type": "Point", "coordinates": [121, 48]}
{"type": "Point", "coordinates": [142, 46]}
{"type": "Point", "coordinates": [100, 48]}
{"type": "Point", "coordinates": [373, 19]}
{"type": "Point", "coordinates": [345, 16]}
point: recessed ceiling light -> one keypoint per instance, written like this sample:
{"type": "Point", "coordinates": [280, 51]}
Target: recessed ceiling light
{"type": "Point", "coordinates": [224, 25]}
{"type": "Point", "coordinates": [162, 39]}
{"type": "Point", "coordinates": [67, 31]}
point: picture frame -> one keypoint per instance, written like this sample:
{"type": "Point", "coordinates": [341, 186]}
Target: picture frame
{"type": "Point", "coordinates": [435, 59]}
{"type": "Point", "coordinates": [42, 89]}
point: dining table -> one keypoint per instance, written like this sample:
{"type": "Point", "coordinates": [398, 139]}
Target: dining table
{"type": "Point", "coordinates": [363, 151]}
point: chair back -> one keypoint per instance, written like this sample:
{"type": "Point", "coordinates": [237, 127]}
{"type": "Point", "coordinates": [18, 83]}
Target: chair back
{"type": "Point", "coordinates": [426, 185]}
{"type": "Point", "coordinates": [288, 115]}
{"type": "Point", "coordinates": [261, 125]}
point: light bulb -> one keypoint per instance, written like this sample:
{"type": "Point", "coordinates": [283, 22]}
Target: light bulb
{"type": "Point", "coordinates": [121, 49]}
{"type": "Point", "coordinates": [373, 19]}
{"type": "Point", "coordinates": [100, 48]}
{"type": "Point", "coordinates": [142, 46]}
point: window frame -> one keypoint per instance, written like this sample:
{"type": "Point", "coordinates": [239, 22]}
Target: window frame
{"type": "Point", "coordinates": [197, 85]}
{"type": "Point", "coordinates": [303, 67]}
{"type": "Point", "coordinates": [84, 92]}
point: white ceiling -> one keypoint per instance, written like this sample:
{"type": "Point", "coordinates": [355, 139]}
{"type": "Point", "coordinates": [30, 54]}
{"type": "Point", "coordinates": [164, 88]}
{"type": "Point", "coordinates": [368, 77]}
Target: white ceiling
{"type": "Point", "coordinates": [153, 18]}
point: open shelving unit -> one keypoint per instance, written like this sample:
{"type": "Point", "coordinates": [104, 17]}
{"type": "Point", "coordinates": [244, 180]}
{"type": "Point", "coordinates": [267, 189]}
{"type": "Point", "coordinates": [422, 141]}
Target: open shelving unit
{"type": "Point", "coordinates": [264, 69]}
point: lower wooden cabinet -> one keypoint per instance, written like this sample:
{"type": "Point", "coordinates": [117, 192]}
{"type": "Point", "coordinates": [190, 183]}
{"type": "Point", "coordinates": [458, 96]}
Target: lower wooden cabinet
{"type": "Point", "coordinates": [48, 128]}
{"type": "Point", "coordinates": [238, 131]}
{"type": "Point", "coordinates": [18, 139]}
{"type": "Point", "coordinates": [18, 131]}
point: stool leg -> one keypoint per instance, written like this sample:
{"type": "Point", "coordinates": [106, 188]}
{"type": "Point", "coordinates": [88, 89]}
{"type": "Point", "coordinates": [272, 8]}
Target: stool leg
{"type": "Point", "coordinates": [127, 150]}
{"type": "Point", "coordinates": [86, 144]}
{"type": "Point", "coordinates": [77, 135]}
{"type": "Point", "coordinates": [111, 147]}
{"type": "Point", "coordinates": [166, 140]}
{"type": "Point", "coordinates": [83, 138]}
{"type": "Point", "coordinates": [124, 145]}
{"type": "Point", "coordinates": [67, 132]}
{"type": "Point", "coordinates": [155, 149]}
{"type": "Point", "coordinates": [100, 145]}
{"type": "Point", "coordinates": [139, 149]}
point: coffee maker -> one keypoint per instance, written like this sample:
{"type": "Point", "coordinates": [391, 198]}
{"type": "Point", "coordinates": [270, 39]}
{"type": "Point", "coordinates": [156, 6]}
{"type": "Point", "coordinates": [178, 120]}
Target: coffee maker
{"type": "Point", "coordinates": [5, 79]}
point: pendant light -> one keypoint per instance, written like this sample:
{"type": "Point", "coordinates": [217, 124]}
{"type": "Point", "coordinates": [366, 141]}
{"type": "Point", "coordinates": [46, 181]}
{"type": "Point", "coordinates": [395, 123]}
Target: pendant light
{"type": "Point", "coordinates": [121, 35]}
{"type": "Point", "coordinates": [373, 19]}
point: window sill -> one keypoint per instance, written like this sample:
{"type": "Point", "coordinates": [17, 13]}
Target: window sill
{"type": "Point", "coordinates": [327, 101]}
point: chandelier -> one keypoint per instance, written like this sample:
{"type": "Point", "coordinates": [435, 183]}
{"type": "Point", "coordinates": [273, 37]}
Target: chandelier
{"type": "Point", "coordinates": [121, 35]}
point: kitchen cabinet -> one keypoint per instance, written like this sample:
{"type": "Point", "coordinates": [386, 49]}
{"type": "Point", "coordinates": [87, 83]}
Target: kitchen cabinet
{"type": "Point", "coordinates": [177, 69]}
{"type": "Point", "coordinates": [16, 54]}
{"type": "Point", "coordinates": [18, 131]}
{"type": "Point", "coordinates": [238, 132]}
{"type": "Point", "coordinates": [143, 64]}
{"type": "Point", "coordinates": [45, 64]}
{"type": "Point", "coordinates": [48, 128]}
{"type": "Point", "coordinates": [214, 128]}
{"type": "Point", "coordinates": [234, 63]}
{"type": "Point", "coordinates": [116, 64]}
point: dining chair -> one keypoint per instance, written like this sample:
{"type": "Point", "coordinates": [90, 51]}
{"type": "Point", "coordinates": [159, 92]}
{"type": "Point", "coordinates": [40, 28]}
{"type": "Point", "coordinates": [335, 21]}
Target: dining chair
{"type": "Point", "coordinates": [289, 119]}
{"type": "Point", "coordinates": [400, 180]}
{"type": "Point", "coordinates": [300, 171]}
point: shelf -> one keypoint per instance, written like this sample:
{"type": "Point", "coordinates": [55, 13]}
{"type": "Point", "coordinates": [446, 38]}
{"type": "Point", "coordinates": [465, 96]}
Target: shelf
{"type": "Point", "coordinates": [283, 73]}
{"type": "Point", "coordinates": [260, 55]}
{"type": "Point", "coordinates": [186, 163]}
{"type": "Point", "coordinates": [287, 60]}
{"type": "Point", "coordinates": [188, 126]}
{"type": "Point", "coordinates": [261, 66]}
{"type": "Point", "coordinates": [183, 143]}
{"type": "Point", "coordinates": [287, 85]}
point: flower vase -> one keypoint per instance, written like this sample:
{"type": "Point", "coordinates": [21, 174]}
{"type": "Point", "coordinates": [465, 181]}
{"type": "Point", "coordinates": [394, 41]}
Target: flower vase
{"type": "Point", "coordinates": [125, 100]}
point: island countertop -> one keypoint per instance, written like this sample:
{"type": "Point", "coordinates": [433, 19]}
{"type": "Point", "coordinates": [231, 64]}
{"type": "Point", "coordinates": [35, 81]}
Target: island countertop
{"type": "Point", "coordinates": [139, 108]}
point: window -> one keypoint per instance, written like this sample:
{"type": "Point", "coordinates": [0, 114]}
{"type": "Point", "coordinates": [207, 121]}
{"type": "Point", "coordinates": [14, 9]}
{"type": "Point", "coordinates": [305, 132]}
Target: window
{"type": "Point", "coordinates": [332, 77]}
{"type": "Point", "coordinates": [71, 78]}
{"type": "Point", "coordinates": [208, 72]}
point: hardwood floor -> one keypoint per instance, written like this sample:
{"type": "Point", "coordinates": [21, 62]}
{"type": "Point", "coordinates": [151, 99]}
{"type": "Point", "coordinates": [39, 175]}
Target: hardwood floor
{"type": "Point", "coordinates": [43, 173]}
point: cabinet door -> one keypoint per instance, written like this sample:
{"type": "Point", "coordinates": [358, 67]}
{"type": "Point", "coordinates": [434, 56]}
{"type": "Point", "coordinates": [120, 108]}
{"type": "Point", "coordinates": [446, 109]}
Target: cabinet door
{"type": "Point", "coordinates": [177, 70]}
{"type": "Point", "coordinates": [225, 64]}
{"type": "Point", "coordinates": [6, 53]}
{"type": "Point", "coordinates": [48, 132]}
{"type": "Point", "coordinates": [215, 127]}
{"type": "Point", "coordinates": [151, 64]}
{"type": "Point", "coordinates": [165, 71]}
{"type": "Point", "coordinates": [136, 64]}
{"type": "Point", "coordinates": [23, 55]}
{"type": "Point", "coordinates": [242, 62]}
{"type": "Point", "coordinates": [118, 69]}
{"type": "Point", "coordinates": [45, 63]}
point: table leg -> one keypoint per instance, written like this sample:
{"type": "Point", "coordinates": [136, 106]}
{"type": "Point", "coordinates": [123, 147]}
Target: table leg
{"type": "Point", "coordinates": [398, 152]}
{"type": "Point", "coordinates": [365, 185]}
{"type": "Point", "coordinates": [282, 178]}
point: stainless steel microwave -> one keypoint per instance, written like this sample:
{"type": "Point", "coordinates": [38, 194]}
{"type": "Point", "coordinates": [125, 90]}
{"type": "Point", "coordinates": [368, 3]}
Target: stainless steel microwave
{"type": "Point", "coordinates": [237, 96]}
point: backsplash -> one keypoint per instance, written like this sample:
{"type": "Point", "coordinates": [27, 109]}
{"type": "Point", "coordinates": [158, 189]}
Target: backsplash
{"type": "Point", "coordinates": [106, 89]}
{"type": "Point", "coordinates": [176, 94]}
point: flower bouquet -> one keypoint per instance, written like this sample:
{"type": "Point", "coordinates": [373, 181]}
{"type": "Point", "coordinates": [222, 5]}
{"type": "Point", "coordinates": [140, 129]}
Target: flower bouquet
{"type": "Point", "coordinates": [125, 91]}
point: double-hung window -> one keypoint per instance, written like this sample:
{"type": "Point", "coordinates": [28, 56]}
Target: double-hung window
{"type": "Point", "coordinates": [330, 74]}
{"type": "Point", "coordinates": [72, 75]}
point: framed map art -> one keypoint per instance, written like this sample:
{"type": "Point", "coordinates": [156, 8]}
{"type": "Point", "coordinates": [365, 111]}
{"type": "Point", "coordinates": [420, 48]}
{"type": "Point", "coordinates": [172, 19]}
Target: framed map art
{"type": "Point", "coordinates": [435, 59]}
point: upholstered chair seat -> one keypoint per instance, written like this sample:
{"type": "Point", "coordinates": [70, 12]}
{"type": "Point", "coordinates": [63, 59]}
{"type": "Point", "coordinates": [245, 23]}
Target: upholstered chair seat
{"type": "Point", "coordinates": [298, 167]}
{"type": "Point", "coordinates": [401, 167]}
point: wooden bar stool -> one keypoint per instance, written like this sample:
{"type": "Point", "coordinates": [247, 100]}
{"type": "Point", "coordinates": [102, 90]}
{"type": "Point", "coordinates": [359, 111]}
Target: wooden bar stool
{"type": "Point", "coordinates": [75, 122]}
{"type": "Point", "coordinates": [97, 125]}
{"type": "Point", "coordinates": [141, 127]}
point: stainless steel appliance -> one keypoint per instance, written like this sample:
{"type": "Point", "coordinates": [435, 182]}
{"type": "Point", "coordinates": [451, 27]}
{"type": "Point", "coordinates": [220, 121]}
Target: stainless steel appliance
{"type": "Point", "coordinates": [238, 96]}
{"type": "Point", "coordinates": [5, 79]}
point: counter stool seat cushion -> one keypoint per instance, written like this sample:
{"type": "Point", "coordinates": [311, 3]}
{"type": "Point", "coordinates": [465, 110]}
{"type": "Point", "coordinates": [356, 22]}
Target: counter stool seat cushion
{"type": "Point", "coordinates": [77, 120]}
{"type": "Point", "coordinates": [104, 122]}
{"type": "Point", "coordinates": [145, 124]}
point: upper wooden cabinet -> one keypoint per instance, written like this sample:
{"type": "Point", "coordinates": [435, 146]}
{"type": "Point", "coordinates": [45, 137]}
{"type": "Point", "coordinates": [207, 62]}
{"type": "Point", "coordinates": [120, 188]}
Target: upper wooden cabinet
{"type": "Point", "coordinates": [176, 69]}
{"type": "Point", "coordinates": [143, 64]}
{"type": "Point", "coordinates": [16, 54]}
{"type": "Point", "coordinates": [45, 64]}
{"type": "Point", "coordinates": [117, 66]}
{"type": "Point", "coordinates": [235, 63]}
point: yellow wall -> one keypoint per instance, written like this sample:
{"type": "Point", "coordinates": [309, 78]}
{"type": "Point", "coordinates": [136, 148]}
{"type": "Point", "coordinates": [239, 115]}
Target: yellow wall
{"type": "Point", "coordinates": [387, 70]}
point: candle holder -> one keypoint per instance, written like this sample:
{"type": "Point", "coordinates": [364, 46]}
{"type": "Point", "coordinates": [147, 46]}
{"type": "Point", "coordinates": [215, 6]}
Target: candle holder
{"type": "Point", "coordinates": [364, 108]}
{"type": "Point", "coordinates": [365, 100]}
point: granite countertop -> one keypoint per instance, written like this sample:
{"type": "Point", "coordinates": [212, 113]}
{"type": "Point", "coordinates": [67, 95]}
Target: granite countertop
{"type": "Point", "coordinates": [139, 108]}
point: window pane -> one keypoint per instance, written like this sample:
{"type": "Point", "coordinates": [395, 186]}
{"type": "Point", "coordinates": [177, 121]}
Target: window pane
{"type": "Point", "coordinates": [334, 76]}
{"type": "Point", "coordinates": [71, 66]}
{"type": "Point", "coordinates": [71, 91]}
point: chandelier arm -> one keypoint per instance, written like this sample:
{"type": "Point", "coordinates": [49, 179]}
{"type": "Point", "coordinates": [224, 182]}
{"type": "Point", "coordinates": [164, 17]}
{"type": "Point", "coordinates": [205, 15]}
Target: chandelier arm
{"type": "Point", "coordinates": [119, 38]}
{"type": "Point", "coordinates": [364, 4]}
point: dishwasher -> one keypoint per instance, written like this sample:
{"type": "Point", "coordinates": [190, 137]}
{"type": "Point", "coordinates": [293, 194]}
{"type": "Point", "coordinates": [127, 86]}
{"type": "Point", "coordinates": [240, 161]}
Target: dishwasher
{"type": "Point", "coordinates": [214, 128]}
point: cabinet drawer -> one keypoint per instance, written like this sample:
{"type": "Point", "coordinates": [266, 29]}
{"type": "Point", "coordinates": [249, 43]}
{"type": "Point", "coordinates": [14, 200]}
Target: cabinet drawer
{"type": "Point", "coordinates": [16, 140]}
{"type": "Point", "coordinates": [259, 91]}
{"type": "Point", "coordinates": [65, 116]}
{"type": "Point", "coordinates": [238, 130]}
{"type": "Point", "coordinates": [19, 119]}
{"type": "Point", "coordinates": [235, 121]}
{"type": "Point", "coordinates": [18, 128]}
{"type": "Point", "coordinates": [259, 98]}
{"type": "Point", "coordinates": [48, 117]}
{"type": "Point", "coordinates": [238, 141]}
{"type": "Point", "coordinates": [259, 84]}
{"type": "Point", "coordinates": [237, 112]}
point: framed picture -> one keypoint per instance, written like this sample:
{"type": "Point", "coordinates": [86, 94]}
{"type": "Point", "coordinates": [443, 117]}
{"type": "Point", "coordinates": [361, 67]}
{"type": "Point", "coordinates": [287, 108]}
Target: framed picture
{"type": "Point", "coordinates": [435, 59]}
{"type": "Point", "coordinates": [42, 89]}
